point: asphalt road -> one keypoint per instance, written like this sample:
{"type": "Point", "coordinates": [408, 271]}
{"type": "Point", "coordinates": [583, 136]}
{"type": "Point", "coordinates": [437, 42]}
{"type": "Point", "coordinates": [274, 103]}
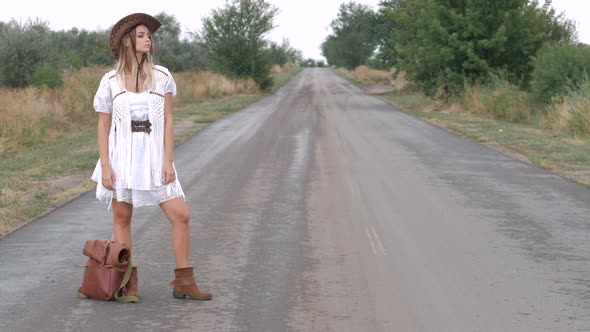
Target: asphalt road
{"type": "Point", "coordinates": [322, 208]}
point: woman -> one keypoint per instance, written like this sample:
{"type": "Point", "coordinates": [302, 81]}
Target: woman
{"type": "Point", "coordinates": [136, 144]}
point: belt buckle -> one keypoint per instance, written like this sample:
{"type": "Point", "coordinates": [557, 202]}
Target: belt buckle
{"type": "Point", "coordinates": [141, 126]}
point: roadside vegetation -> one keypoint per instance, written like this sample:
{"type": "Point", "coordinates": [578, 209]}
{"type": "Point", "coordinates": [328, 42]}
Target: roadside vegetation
{"type": "Point", "coordinates": [499, 118]}
{"type": "Point", "coordinates": [510, 74]}
{"type": "Point", "coordinates": [48, 80]}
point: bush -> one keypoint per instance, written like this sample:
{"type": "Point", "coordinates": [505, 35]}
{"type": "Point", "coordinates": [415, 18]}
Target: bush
{"type": "Point", "coordinates": [234, 37]}
{"type": "Point", "coordinates": [558, 70]}
{"type": "Point", "coordinates": [510, 103]}
{"type": "Point", "coordinates": [443, 44]}
{"type": "Point", "coordinates": [45, 75]}
{"type": "Point", "coordinates": [500, 99]}
{"type": "Point", "coordinates": [22, 48]}
{"type": "Point", "coordinates": [571, 112]}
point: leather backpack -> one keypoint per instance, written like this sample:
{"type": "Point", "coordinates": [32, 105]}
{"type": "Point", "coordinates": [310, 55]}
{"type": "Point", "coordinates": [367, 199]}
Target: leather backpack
{"type": "Point", "coordinates": [107, 271]}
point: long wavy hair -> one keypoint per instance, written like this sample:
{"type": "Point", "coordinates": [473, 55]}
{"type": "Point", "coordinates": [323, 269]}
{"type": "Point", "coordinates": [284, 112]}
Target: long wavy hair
{"type": "Point", "coordinates": [147, 68]}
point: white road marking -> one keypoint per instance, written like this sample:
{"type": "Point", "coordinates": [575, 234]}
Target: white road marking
{"type": "Point", "coordinates": [378, 241]}
{"type": "Point", "coordinates": [371, 241]}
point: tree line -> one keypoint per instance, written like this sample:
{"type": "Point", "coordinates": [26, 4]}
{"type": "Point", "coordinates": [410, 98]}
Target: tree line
{"type": "Point", "coordinates": [233, 42]}
{"type": "Point", "coordinates": [444, 45]}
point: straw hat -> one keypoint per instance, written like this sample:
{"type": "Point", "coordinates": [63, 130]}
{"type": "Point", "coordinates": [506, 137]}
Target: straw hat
{"type": "Point", "coordinates": [127, 23]}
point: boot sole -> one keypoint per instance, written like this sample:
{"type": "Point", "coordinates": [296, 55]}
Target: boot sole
{"type": "Point", "coordinates": [184, 296]}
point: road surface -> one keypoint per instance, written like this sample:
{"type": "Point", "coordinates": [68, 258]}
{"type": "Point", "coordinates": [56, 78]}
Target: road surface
{"type": "Point", "coordinates": [322, 208]}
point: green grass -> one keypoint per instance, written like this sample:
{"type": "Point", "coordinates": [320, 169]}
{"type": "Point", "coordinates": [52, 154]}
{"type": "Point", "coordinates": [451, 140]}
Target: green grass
{"type": "Point", "coordinates": [24, 176]}
{"type": "Point", "coordinates": [562, 154]}
{"type": "Point", "coordinates": [407, 101]}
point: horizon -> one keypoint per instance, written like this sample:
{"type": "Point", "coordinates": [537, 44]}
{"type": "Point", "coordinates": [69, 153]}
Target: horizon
{"type": "Point", "coordinates": [306, 37]}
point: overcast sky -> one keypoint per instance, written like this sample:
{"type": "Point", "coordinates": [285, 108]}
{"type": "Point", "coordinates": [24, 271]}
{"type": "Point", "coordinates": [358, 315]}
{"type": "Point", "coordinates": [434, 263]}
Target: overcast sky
{"type": "Point", "coordinates": [304, 22]}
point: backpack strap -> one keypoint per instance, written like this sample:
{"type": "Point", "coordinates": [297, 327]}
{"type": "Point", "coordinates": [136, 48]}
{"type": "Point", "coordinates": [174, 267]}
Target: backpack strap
{"type": "Point", "coordinates": [126, 277]}
{"type": "Point", "coordinates": [81, 295]}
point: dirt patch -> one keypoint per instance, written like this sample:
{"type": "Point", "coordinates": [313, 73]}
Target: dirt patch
{"type": "Point", "coordinates": [510, 151]}
{"type": "Point", "coordinates": [537, 132]}
{"type": "Point", "coordinates": [574, 172]}
{"type": "Point", "coordinates": [65, 188]}
{"type": "Point", "coordinates": [184, 128]}
{"type": "Point", "coordinates": [377, 89]}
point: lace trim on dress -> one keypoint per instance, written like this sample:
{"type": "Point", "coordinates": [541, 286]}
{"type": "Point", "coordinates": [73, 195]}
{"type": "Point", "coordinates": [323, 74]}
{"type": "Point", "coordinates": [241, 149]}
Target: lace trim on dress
{"type": "Point", "coordinates": [139, 198]}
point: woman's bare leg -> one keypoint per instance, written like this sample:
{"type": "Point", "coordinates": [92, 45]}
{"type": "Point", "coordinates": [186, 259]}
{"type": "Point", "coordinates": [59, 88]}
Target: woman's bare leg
{"type": "Point", "coordinates": [177, 213]}
{"type": "Point", "coordinates": [122, 213]}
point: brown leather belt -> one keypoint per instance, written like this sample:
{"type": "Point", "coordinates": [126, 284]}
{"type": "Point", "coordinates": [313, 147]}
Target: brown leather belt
{"type": "Point", "coordinates": [141, 126]}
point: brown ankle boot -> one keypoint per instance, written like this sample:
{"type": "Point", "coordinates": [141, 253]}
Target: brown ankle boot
{"type": "Point", "coordinates": [185, 286]}
{"type": "Point", "coordinates": [131, 288]}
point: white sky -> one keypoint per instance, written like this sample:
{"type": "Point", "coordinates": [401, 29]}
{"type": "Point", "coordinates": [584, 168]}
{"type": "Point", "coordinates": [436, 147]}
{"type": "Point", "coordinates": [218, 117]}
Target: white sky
{"type": "Point", "coordinates": [304, 22]}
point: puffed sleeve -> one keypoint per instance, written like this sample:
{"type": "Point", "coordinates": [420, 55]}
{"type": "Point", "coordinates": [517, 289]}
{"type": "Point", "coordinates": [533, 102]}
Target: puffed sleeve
{"type": "Point", "coordinates": [170, 85]}
{"type": "Point", "coordinates": [103, 101]}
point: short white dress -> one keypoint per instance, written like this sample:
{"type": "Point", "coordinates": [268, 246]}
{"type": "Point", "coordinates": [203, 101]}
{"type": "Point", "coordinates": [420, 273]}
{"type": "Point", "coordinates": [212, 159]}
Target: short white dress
{"type": "Point", "coordinates": [141, 189]}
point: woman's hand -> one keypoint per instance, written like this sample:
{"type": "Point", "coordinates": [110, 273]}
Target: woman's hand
{"type": "Point", "coordinates": [168, 173]}
{"type": "Point", "coordinates": [108, 177]}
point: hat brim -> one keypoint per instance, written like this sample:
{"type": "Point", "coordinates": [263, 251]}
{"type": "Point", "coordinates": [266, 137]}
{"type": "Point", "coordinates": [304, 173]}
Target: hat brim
{"type": "Point", "coordinates": [127, 23]}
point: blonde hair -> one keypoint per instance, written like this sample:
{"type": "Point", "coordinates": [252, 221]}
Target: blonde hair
{"type": "Point", "coordinates": [147, 68]}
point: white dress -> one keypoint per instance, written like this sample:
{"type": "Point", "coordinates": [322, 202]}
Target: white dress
{"type": "Point", "coordinates": [141, 189]}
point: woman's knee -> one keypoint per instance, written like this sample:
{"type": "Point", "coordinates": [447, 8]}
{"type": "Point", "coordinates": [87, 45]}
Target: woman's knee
{"type": "Point", "coordinates": [176, 211]}
{"type": "Point", "coordinates": [122, 216]}
{"type": "Point", "coordinates": [122, 220]}
{"type": "Point", "coordinates": [183, 217]}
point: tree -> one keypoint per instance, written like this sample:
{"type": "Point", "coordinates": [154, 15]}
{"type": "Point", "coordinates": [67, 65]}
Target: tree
{"type": "Point", "coordinates": [81, 48]}
{"type": "Point", "coordinates": [310, 62]}
{"type": "Point", "coordinates": [559, 70]}
{"type": "Point", "coordinates": [385, 26]}
{"type": "Point", "coordinates": [443, 44]}
{"type": "Point", "coordinates": [234, 37]}
{"type": "Point", "coordinates": [284, 53]}
{"type": "Point", "coordinates": [176, 53]}
{"type": "Point", "coordinates": [167, 42]}
{"type": "Point", "coordinates": [560, 30]}
{"type": "Point", "coordinates": [352, 41]}
{"type": "Point", "coordinates": [23, 49]}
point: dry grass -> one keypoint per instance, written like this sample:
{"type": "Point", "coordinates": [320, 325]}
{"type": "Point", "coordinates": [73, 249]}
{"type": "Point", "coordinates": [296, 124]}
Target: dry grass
{"type": "Point", "coordinates": [197, 87]}
{"type": "Point", "coordinates": [472, 99]}
{"type": "Point", "coordinates": [400, 83]}
{"type": "Point", "coordinates": [276, 69]}
{"type": "Point", "coordinates": [33, 116]}
{"type": "Point", "coordinates": [367, 76]}
{"type": "Point", "coordinates": [559, 118]}
{"type": "Point", "coordinates": [503, 101]}
{"type": "Point", "coordinates": [571, 115]}
{"type": "Point", "coordinates": [25, 114]}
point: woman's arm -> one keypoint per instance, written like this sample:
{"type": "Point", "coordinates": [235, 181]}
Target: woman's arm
{"type": "Point", "coordinates": [104, 128]}
{"type": "Point", "coordinates": [168, 170]}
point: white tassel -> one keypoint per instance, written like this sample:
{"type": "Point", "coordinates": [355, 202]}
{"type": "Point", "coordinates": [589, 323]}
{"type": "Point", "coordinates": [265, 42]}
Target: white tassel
{"type": "Point", "coordinates": [156, 118]}
{"type": "Point", "coordinates": [174, 190]}
{"type": "Point", "coordinates": [104, 195]}
{"type": "Point", "coordinates": [126, 124]}
{"type": "Point", "coordinates": [121, 122]}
